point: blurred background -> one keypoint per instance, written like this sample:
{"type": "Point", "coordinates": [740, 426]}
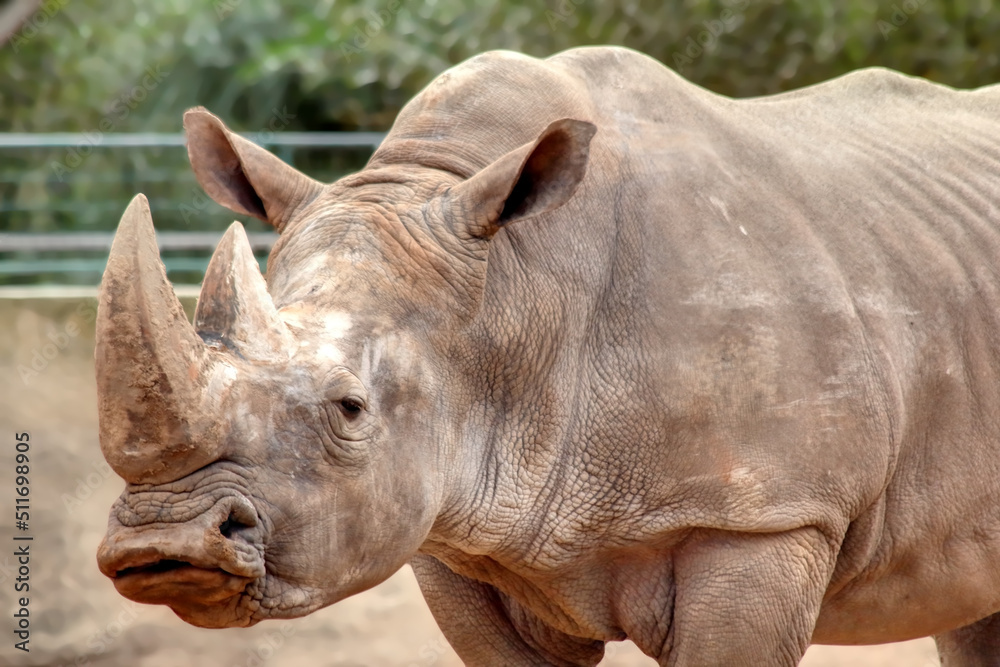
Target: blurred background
{"type": "Point", "coordinates": [91, 97]}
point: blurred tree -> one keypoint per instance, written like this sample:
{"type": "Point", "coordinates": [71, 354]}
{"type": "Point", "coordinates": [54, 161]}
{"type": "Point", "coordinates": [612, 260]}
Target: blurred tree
{"type": "Point", "coordinates": [13, 13]}
{"type": "Point", "coordinates": [351, 65]}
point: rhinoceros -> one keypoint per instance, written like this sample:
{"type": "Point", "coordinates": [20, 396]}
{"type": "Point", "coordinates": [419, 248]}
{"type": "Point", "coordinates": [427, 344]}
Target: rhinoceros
{"type": "Point", "coordinates": [601, 354]}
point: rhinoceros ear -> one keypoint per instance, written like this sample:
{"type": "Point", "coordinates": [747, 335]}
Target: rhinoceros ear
{"type": "Point", "coordinates": [241, 175]}
{"type": "Point", "coordinates": [528, 181]}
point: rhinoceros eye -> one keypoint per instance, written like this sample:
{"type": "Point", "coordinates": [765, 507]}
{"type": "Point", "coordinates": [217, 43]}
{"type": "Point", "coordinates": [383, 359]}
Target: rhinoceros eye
{"type": "Point", "coordinates": [351, 407]}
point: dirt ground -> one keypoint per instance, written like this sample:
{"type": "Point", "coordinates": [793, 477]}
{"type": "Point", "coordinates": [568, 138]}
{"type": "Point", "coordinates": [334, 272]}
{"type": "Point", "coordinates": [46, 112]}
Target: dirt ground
{"type": "Point", "coordinates": [77, 618]}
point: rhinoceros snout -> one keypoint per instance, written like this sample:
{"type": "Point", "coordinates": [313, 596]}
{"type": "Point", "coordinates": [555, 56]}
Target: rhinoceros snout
{"type": "Point", "coordinates": [205, 560]}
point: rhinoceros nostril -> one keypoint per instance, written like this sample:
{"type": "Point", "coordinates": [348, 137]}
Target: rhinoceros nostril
{"type": "Point", "coordinates": [241, 515]}
{"type": "Point", "coordinates": [231, 525]}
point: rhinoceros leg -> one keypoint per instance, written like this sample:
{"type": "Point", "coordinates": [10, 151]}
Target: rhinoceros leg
{"type": "Point", "coordinates": [747, 600]}
{"type": "Point", "coordinates": [473, 617]}
{"type": "Point", "coordinates": [976, 645]}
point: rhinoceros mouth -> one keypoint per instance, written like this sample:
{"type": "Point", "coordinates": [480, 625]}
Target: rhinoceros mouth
{"type": "Point", "coordinates": [169, 581]}
{"type": "Point", "coordinates": [169, 565]}
{"type": "Point", "coordinates": [163, 565]}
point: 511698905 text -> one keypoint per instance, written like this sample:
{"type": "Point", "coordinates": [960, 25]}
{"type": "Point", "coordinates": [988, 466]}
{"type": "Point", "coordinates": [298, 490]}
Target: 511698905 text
{"type": "Point", "coordinates": [22, 540]}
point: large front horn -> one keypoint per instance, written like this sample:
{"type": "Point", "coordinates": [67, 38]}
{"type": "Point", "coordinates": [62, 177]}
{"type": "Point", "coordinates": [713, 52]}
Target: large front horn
{"type": "Point", "coordinates": [235, 307]}
{"type": "Point", "coordinates": [152, 368]}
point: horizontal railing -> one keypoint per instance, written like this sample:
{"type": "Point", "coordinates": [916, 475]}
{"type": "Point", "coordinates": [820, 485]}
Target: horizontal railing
{"type": "Point", "coordinates": [202, 242]}
{"type": "Point", "coordinates": [138, 139]}
{"type": "Point", "coordinates": [70, 241]}
{"type": "Point", "coordinates": [54, 181]}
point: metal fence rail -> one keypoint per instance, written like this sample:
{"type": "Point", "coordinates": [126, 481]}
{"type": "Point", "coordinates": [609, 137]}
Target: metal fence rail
{"type": "Point", "coordinates": [200, 242]}
{"type": "Point", "coordinates": [102, 241]}
{"type": "Point", "coordinates": [57, 216]}
{"type": "Point", "coordinates": [139, 139]}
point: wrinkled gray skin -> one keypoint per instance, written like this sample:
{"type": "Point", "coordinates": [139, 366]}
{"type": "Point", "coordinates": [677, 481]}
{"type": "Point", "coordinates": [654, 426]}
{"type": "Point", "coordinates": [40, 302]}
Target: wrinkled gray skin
{"type": "Point", "coordinates": [722, 378]}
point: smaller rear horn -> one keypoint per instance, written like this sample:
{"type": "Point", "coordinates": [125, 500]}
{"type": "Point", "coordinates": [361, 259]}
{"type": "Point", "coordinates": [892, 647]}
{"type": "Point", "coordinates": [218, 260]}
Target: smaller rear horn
{"type": "Point", "coordinates": [234, 306]}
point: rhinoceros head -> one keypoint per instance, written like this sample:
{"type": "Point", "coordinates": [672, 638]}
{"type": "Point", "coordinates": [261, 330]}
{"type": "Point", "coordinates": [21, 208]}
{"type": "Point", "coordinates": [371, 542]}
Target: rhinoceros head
{"type": "Point", "coordinates": [297, 443]}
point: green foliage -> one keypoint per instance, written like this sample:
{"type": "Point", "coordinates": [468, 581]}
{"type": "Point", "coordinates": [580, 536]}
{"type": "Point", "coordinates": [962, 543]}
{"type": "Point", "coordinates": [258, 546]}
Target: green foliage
{"type": "Point", "coordinates": [352, 65]}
